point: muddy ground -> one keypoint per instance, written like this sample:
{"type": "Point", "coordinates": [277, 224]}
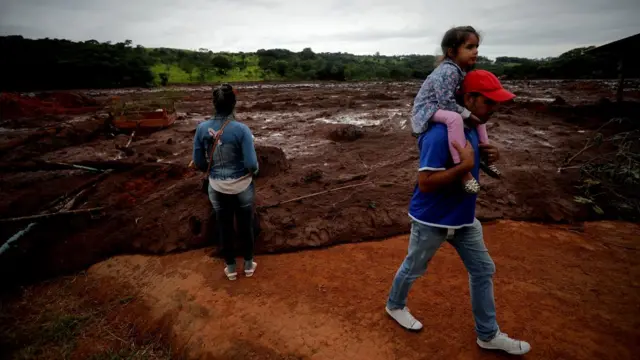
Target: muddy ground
{"type": "Point", "coordinates": [310, 138]}
{"type": "Point", "coordinates": [571, 290]}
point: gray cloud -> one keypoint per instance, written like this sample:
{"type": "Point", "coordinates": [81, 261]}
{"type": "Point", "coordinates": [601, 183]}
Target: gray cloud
{"type": "Point", "coordinates": [509, 27]}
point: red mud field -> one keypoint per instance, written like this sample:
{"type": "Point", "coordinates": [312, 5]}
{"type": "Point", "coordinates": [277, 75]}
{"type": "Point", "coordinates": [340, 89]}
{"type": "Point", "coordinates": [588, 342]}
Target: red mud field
{"type": "Point", "coordinates": [571, 290]}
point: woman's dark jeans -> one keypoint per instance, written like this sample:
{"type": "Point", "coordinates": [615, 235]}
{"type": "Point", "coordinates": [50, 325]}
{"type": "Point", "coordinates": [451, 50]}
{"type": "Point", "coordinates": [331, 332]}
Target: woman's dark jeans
{"type": "Point", "coordinates": [227, 206]}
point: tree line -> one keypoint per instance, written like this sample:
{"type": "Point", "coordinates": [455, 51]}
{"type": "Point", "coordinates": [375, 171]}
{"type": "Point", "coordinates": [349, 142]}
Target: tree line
{"type": "Point", "coordinates": [61, 64]}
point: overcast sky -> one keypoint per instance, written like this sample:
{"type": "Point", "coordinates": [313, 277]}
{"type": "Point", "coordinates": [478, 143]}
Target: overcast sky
{"type": "Point", "coordinates": [529, 28]}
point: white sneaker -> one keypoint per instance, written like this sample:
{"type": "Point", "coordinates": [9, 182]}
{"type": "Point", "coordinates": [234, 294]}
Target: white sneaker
{"type": "Point", "coordinates": [404, 318]}
{"type": "Point", "coordinates": [503, 342]}
{"type": "Point", "coordinates": [249, 272]}
{"type": "Point", "coordinates": [230, 275]}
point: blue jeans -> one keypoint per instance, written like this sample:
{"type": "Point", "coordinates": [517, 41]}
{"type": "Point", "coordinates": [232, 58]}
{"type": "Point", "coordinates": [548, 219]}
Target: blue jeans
{"type": "Point", "coordinates": [423, 244]}
{"type": "Point", "coordinates": [228, 207]}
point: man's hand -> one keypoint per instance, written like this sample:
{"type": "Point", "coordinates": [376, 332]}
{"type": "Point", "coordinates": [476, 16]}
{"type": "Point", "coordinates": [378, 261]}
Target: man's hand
{"type": "Point", "coordinates": [491, 152]}
{"type": "Point", "coordinates": [467, 155]}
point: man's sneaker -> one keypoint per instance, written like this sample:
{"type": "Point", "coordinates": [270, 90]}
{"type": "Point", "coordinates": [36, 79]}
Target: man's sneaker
{"type": "Point", "coordinates": [503, 342]}
{"type": "Point", "coordinates": [230, 275]}
{"type": "Point", "coordinates": [405, 319]}
{"type": "Point", "coordinates": [249, 272]}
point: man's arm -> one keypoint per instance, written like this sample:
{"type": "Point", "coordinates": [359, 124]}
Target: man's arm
{"type": "Point", "coordinates": [430, 181]}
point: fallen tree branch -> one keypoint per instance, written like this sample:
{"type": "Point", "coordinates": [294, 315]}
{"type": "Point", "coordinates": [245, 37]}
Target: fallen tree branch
{"type": "Point", "coordinates": [312, 195]}
{"type": "Point", "coordinates": [9, 243]}
{"type": "Point", "coordinates": [72, 202]}
{"type": "Point", "coordinates": [92, 165]}
{"type": "Point", "coordinates": [130, 139]}
{"type": "Point", "coordinates": [588, 145]}
{"type": "Point", "coordinates": [77, 190]}
{"type": "Point", "coordinates": [35, 136]}
{"type": "Point", "coordinates": [50, 215]}
{"type": "Point", "coordinates": [40, 165]}
{"type": "Point", "coordinates": [73, 166]}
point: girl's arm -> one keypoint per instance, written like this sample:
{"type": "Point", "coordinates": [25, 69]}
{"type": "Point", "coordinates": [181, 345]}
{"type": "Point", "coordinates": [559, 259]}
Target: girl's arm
{"type": "Point", "coordinates": [445, 87]}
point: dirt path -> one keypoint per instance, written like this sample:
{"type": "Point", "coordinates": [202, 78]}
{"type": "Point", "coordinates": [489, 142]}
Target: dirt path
{"type": "Point", "coordinates": [573, 293]}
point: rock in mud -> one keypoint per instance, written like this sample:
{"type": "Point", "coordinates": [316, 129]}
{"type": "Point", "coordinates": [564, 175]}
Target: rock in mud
{"type": "Point", "coordinates": [164, 150]}
{"type": "Point", "coordinates": [559, 101]}
{"type": "Point", "coordinates": [312, 176]}
{"type": "Point", "coordinates": [262, 106]}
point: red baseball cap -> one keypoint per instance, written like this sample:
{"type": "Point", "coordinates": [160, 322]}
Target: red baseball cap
{"type": "Point", "coordinates": [487, 84]}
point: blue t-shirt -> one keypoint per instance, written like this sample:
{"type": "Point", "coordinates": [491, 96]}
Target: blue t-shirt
{"type": "Point", "coordinates": [448, 207]}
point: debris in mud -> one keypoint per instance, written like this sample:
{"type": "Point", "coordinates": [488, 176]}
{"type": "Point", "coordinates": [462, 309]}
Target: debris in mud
{"type": "Point", "coordinates": [340, 133]}
{"type": "Point", "coordinates": [271, 160]}
{"type": "Point", "coordinates": [378, 96]}
{"type": "Point", "coordinates": [14, 106]}
{"type": "Point", "coordinates": [312, 176]}
{"type": "Point", "coordinates": [34, 143]}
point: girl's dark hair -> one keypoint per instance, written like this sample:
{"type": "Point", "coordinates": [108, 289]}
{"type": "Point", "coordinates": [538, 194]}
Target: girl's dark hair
{"type": "Point", "coordinates": [455, 37]}
{"type": "Point", "coordinates": [224, 99]}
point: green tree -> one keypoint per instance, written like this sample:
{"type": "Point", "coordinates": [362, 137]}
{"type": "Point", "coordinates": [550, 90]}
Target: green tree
{"type": "Point", "coordinates": [281, 67]}
{"type": "Point", "coordinates": [242, 64]}
{"type": "Point", "coordinates": [307, 54]}
{"type": "Point", "coordinates": [164, 79]}
{"type": "Point", "coordinates": [222, 64]}
{"type": "Point", "coordinates": [187, 66]}
{"type": "Point", "coordinates": [203, 72]}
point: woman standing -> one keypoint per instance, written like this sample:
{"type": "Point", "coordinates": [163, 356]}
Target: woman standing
{"type": "Point", "coordinates": [231, 167]}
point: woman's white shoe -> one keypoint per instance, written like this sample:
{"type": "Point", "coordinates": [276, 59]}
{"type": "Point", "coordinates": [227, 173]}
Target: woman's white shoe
{"type": "Point", "coordinates": [249, 272]}
{"type": "Point", "coordinates": [230, 275]}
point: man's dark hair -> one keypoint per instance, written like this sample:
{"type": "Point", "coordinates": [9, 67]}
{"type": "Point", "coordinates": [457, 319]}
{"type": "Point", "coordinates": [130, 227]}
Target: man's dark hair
{"type": "Point", "coordinates": [455, 37]}
{"type": "Point", "coordinates": [224, 100]}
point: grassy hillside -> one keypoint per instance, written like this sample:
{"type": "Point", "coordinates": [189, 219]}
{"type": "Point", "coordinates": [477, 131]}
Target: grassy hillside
{"type": "Point", "coordinates": [62, 64]}
{"type": "Point", "coordinates": [177, 75]}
